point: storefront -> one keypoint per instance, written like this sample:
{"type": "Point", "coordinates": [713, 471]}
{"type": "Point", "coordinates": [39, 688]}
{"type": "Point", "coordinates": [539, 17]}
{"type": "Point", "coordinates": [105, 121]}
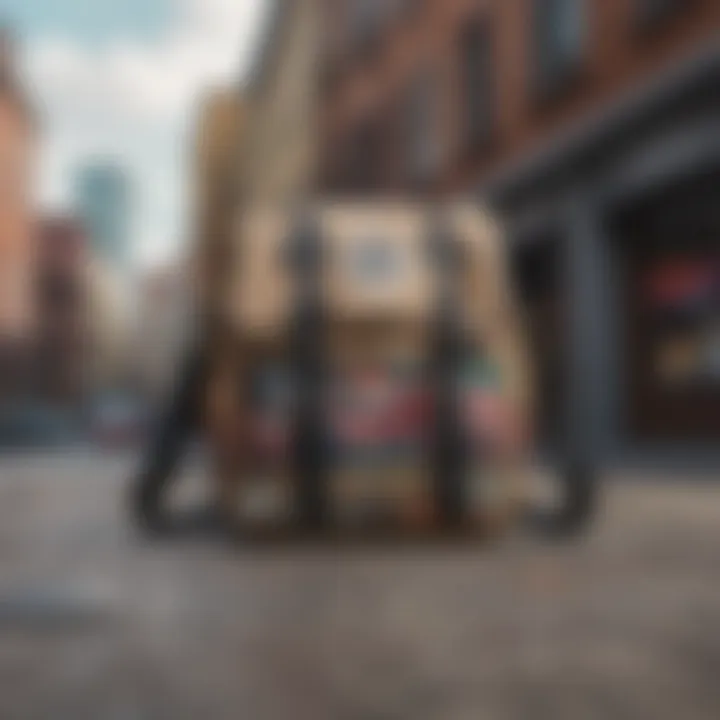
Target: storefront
{"type": "Point", "coordinates": [673, 322]}
{"type": "Point", "coordinates": [616, 241]}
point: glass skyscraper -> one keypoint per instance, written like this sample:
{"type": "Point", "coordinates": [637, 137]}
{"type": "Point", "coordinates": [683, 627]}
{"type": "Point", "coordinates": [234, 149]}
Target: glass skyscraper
{"type": "Point", "coordinates": [104, 204]}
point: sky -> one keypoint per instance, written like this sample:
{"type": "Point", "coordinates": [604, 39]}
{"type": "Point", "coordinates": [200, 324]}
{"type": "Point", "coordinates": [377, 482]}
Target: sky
{"type": "Point", "coordinates": [122, 80]}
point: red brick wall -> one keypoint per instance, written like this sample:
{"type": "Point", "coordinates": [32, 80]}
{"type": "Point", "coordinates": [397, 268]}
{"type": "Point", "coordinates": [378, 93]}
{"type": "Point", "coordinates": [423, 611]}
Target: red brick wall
{"type": "Point", "coordinates": [16, 221]}
{"type": "Point", "coordinates": [62, 309]}
{"type": "Point", "coordinates": [617, 59]}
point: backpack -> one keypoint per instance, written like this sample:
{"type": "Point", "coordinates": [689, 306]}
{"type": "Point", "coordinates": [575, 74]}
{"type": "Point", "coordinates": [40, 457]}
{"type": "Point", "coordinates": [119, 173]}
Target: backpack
{"type": "Point", "coordinates": [372, 374]}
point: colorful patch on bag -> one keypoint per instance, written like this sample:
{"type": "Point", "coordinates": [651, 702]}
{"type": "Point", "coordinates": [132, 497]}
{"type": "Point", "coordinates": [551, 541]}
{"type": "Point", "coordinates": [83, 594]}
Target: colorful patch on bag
{"type": "Point", "coordinates": [378, 415]}
{"type": "Point", "coordinates": [489, 415]}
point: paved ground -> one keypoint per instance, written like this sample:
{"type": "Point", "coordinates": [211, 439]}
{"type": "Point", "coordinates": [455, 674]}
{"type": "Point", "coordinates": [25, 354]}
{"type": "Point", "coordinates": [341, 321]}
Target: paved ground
{"type": "Point", "coordinates": [96, 624]}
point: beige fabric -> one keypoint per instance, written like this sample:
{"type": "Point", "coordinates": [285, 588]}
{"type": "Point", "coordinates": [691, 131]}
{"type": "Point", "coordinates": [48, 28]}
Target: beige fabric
{"type": "Point", "coordinates": [388, 318]}
{"type": "Point", "coordinates": [260, 295]}
{"type": "Point", "coordinates": [261, 291]}
{"type": "Point", "coordinates": [492, 311]}
{"type": "Point", "coordinates": [399, 285]}
{"type": "Point", "coordinates": [391, 311]}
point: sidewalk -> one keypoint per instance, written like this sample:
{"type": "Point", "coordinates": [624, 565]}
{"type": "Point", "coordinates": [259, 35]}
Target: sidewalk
{"type": "Point", "coordinates": [94, 623]}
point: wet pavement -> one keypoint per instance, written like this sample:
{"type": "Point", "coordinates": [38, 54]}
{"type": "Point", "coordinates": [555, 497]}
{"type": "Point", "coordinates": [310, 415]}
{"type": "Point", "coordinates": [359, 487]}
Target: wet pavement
{"type": "Point", "coordinates": [97, 623]}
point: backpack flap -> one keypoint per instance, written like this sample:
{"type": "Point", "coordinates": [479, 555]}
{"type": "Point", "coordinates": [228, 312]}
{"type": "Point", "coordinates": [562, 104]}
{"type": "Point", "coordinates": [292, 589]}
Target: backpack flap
{"type": "Point", "coordinates": [377, 269]}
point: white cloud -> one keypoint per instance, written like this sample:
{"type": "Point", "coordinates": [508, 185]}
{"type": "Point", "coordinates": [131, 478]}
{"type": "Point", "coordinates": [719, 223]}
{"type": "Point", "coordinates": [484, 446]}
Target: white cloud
{"type": "Point", "coordinates": [135, 102]}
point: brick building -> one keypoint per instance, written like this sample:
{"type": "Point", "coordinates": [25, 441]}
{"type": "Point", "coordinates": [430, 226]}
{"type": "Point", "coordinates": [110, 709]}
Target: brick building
{"type": "Point", "coordinates": [17, 150]}
{"type": "Point", "coordinates": [593, 127]}
{"type": "Point", "coordinates": [62, 302]}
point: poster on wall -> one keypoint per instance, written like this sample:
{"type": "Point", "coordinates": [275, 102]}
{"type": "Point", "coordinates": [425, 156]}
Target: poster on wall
{"type": "Point", "coordinates": [682, 299]}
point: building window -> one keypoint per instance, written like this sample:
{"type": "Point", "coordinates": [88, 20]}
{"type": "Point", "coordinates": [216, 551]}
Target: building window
{"type": "Point", "coordinates": [560, 30]}
{"type": "Point", "coordinates": [405, 8]}
{"type": "Point", "coordinates": [365, 162]}
{"type": "Point", "coordinates": [477, 82]}
{"type": "Point", "coordinates": [366, 20]}
{"type": "Point", "coordinates": [330, 54]}
{"type": "Point", "coordinates": [650, 14]}
{"type": "Point", "coordinates": [60, 293]}
{"type": "Point", "coordinates": [424, 146]}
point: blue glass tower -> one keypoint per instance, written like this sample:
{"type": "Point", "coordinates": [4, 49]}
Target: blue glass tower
{"type": "Point", "coordinates": [104, 204]}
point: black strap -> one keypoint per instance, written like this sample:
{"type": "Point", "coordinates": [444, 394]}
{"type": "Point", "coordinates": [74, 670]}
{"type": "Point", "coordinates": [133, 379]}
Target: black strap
{"type": "Point", "coordinates": [176, 425]}
{"type": "Point", "coordinates": [579, 486]}
{"type": "Point", "coordinates": [449, 443]}
{"type": "Point", "coordinates": [309, 457]}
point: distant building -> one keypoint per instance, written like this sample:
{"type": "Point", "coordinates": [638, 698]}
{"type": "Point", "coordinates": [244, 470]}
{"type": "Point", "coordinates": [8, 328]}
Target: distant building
{"type": "Point", "coordinates": [63, 306]}
{"type": "Point", "coordinates": [110, 319]}
{"type": "Point", "coordinates": [219, 135]}
{"type": "Point", "coordinates": [104, 204]}
{"type": "Point", "coordinates": [103, 201]}
{"type": "Point", "coordinates": [18, 146]}
{"type": "Point", "coordinates": [258, 144]}
{"type": "Point", "coordinates": [279, 158]}
{"type": "Point", "coordinates": [163, 323]}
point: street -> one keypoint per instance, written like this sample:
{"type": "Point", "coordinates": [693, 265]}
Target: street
{"type": "Point", "coordinates": [96, 622]}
